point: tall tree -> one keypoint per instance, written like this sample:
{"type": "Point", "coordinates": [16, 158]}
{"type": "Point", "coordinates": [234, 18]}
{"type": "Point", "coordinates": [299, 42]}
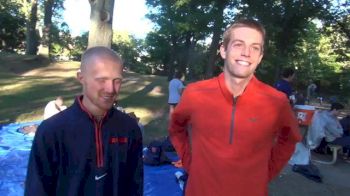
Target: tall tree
{"type": "Point", "coordinates": [101, 19]}
{"type": "Point", "coordinates": [48, 12]}
{"type": "Point", "coordinates": [52, 10]}
{"type": "Point", "coordinates": [217, 30]}
{"type": "Point", "coordinates": [182, 23]}
{"type": "Point", "coordinates": [286, 23]}
{"type": "Point", "coordinates": [12, 25]}
{"type": "Point", "coordinates": [338, 15]}
{"type": "Point", "coordinates": [31, 34]}
{"type": "Point", "coordinates": [129, 49]}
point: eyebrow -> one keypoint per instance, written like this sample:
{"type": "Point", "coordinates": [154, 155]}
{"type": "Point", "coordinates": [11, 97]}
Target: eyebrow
{"type": "Point", "coordinates": [116, 78]}
{"type": "Point", "coordinates": [239, 40]}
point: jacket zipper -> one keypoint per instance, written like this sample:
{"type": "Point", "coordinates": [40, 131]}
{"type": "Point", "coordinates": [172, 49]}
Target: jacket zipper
{"type": "Point", "coordinates": [232, 119]}
{"type": "Point", "coordinates": [98, 141]}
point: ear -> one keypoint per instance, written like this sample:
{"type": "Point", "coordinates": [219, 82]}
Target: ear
{"type": "Point", "coordinates": [223, 51]}
{"type": "Point", "coordinates": [260, 58]}
{"type": "Point", "coordinates": [80, 76]}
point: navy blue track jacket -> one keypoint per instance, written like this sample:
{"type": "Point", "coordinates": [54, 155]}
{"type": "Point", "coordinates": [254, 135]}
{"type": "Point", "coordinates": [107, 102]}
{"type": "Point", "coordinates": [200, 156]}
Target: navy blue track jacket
{"type": "Point", "coordinates": [72, 154]}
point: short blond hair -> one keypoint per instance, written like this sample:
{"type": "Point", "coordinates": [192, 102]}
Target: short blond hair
{"type": "Point", "coordinates": [250, 23]}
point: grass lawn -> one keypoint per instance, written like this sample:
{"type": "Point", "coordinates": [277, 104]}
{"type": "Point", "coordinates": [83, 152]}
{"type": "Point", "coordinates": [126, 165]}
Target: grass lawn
{"type": "Point", "coordinates": [27, 83]}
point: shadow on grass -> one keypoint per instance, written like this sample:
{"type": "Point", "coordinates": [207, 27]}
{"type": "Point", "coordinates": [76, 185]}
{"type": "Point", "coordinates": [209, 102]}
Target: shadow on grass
{"type": "Point", "coordinates": [24, 98]}
{"type": "Point", "coordinates": [20, 64]}
{"type": "Point", "coordinates": [32, 99]}
{"type": "Point", "coordinates": [145, 99]}
{"type": "Point", "coordinates": [156, 129]}
{"type": "Point", "coordinates": [151, 97]}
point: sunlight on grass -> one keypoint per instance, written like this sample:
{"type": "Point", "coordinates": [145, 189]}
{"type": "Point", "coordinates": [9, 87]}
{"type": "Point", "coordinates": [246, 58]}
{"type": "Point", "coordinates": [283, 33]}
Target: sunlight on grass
{"type": "Point", "coordinates": [24, 95]}
{"type": "Point", "coordinates": [63, 69]}
{"type": "Point", "coordinates": [11, 87]}
{"type": "Point", "coordinates": [31, 116]}
{"type": "Point", "coordinates": [156, 92]}
{"type": "Point", "coordinates": [144, 114]}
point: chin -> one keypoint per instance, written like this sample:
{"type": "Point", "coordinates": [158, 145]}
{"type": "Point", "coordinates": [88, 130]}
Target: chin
{"type": "Point", "coordinates": [241, 75]}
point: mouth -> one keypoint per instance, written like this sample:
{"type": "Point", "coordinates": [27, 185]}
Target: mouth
{"type": "Point", "coordinates": [108, 98]}
{"type": "Point", "coordinates": [243, 63]}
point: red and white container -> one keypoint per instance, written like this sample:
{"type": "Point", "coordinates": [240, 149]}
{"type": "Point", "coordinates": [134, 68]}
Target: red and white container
{"type": "Point", "coordinates": [304, 113]}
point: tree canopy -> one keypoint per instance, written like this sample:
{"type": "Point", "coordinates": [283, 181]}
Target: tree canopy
{"type": "Point", "coordinates": [311, 35]}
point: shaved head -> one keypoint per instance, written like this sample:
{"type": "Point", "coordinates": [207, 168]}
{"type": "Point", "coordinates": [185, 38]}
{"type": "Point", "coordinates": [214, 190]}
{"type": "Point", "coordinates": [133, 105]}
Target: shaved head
{"type": "Point", "coordinates": [101, 75]}
{"type": "Point", "coordinates": [91, 55]}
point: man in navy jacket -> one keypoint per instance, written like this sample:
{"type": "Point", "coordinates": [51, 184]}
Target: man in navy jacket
{"type": "Point", "coordinates": [90, 148]}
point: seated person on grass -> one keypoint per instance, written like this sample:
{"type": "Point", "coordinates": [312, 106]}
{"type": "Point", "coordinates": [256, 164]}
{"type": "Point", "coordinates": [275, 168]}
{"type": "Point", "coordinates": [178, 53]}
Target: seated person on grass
{"type": "Point", "coordinates": [54, 107]}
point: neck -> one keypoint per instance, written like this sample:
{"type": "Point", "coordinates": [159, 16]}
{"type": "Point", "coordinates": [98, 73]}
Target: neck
{"type": "Point", "coordinates": [98, 118]}
{"type": "Point", "coordinates": [235, 85]}
{"type": "Point", "coordinates": [91, 108]}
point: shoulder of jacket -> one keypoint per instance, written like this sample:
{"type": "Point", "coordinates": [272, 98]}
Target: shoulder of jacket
{"type": "Point", "coordinates": [203, 85]}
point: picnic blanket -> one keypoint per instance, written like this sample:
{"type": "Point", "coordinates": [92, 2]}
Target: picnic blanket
{"type": "Point", "coordinates": [14, 153]}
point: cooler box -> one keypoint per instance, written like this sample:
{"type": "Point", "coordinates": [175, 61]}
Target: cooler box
{"type": "Point", "coordinates": [304, 113]}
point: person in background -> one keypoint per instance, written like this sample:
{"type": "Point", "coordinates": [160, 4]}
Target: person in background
{"type": "Point", "coordinates": [90, 148]}
{"type": "Point", "coordinates": [54, 107]}
{"type": "Point", "coordinates": [344, 141]}
{"type": "Point", "coordinates": [325, 128]}
{"type": "Point", "coordinates": [242, 130]}
{"type": "Point", "coordinates": [284, 84]}
{"type": "Point", "coordinates": [310, 91]}
{"type": "Point", "coordinates": [175, 89]}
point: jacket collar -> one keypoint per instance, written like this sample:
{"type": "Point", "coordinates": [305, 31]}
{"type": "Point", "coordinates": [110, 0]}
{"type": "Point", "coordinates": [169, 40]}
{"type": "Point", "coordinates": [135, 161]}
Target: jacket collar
{"type": "Point", "coordinates": [79, 104]}
{"type": "Point", "coordinates": [228, 95]}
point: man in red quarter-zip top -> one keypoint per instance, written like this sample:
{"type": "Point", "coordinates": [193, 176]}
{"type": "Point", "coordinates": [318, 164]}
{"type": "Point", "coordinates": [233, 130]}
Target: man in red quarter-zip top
{"type": "Point", "coordinates": [90, 148]}
{"type": "Point", "coordinates": [243, 131]}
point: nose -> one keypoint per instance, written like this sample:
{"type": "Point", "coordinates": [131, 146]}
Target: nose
{"type": "Point", "coordinates": [245, 51]}
{"type": "Point", "coordinates": [109, 87]}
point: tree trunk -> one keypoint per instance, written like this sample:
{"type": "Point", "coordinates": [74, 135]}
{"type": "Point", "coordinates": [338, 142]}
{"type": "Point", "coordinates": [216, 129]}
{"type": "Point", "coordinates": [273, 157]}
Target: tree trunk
{"type": "Point", "coordinates": [217, 31]}
{"type": "Point", "coordinates": [187, 54]}
{"type": "Point", "coordinates": [48, 11]}
{"type": "Point", "coordinates": [173, 61]}
{"type": "Point", "coordinates": [101, 17]}
{"type": "Point", "coordinates": [31, 35]}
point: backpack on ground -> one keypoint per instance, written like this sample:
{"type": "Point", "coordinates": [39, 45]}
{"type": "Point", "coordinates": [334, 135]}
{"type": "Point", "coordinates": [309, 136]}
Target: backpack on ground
{"type": "Point", "coordinates": [160, 152]}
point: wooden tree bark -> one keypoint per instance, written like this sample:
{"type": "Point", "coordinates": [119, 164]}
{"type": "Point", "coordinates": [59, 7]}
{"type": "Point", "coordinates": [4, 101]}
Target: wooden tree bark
{"type": "Point", "coordinates": [48, 12]}
{"type": "Point", "coordinates": [101, 19]}
{"type": "Point", "coordinates": [31, 35]}
{"type": "Point", "coordinates": [217, 32]}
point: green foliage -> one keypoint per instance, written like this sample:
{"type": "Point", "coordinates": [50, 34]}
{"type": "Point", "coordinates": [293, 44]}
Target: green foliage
{"type": "Point", "coordinates": [286, 24]}
{"type": "Point", "coordinates": [12, 28]}
{"type": "Point", "coordinates": [180, 25]}
{"type": "Point", "coordinates": [316, 59]}
{"type": "Point", "coordinates": [61, 41]}
{"type": "Point", "coordinates": [79, 45]}
{"type": "Point", "coordinates": [179, 40]}
{"type": "Point", "coordinates": [158, 49]}
{"type": "Point", "coordinates": [130, 49]}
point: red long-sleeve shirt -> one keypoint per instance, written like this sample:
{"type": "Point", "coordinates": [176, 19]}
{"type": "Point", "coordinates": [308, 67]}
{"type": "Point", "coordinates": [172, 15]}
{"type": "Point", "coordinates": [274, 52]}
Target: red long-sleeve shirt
{"type": "Point", "coordinates": [233, 146]}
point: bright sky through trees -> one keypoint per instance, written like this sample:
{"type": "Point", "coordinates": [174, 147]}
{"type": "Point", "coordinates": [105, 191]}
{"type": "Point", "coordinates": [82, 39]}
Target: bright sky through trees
{"type": "Point", "coordinates": [129, 15]}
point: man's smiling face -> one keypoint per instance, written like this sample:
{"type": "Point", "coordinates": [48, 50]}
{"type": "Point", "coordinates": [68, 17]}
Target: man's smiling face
{"type": "Point", "coordinates": [243, 52]}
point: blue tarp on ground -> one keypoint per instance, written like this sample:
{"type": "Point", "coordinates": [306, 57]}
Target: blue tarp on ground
{"type": "Point", "coordinates": [14, 153]}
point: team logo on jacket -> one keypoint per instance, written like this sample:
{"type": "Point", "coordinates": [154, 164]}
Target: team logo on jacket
{"type": "Point", "coordinates": [118, 140]}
